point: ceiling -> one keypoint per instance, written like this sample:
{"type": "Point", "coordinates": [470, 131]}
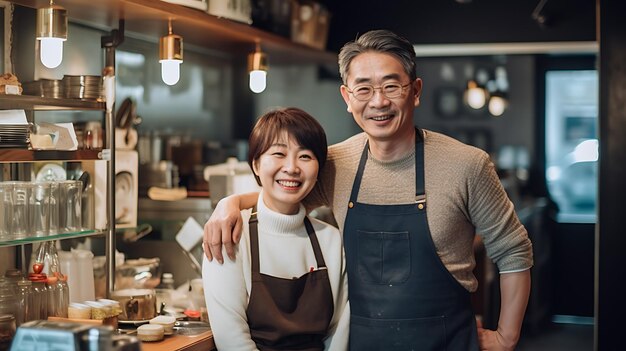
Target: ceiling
{"type": "Point", "coordinates": [452, 22]}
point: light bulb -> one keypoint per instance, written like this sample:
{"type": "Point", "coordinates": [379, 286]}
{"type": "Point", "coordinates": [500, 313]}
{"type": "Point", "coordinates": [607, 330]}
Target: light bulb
{"type": "Point", "coordinates": [170, 71]}
{"type": "Point", "coordinates": [258, 81]}
{"type": "Point", "coordinates": [476, 97]}
{"type": "Point", "coordinates": [51, 51]}
{"type": "Point", "coordinates": [497, 105]}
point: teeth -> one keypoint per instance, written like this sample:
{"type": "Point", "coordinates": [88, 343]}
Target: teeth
{"type": "Point", "coordinates": [289, 184]}
{"type": "Point", "coordinates": [381, 118]}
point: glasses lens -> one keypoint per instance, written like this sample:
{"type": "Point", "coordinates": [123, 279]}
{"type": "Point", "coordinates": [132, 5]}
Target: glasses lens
{"type": "Point", "coordinates": [363, 92]}
{"type": "Point", "coordinates": [392, 90]}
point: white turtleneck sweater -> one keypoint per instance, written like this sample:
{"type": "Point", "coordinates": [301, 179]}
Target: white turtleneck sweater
{"type": "Point", "coordinates": [285, 251]}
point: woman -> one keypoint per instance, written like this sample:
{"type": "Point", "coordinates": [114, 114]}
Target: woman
{"type": "Point", "coordinates": [287, 287]}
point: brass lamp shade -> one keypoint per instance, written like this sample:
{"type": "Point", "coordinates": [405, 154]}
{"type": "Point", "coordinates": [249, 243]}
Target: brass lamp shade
{"type": "Point", "coordinates": [257, 61]}
{"type": "Point", "coordinates": [171, 47]}
{"type": "Point", "coordinates": [52, 22]}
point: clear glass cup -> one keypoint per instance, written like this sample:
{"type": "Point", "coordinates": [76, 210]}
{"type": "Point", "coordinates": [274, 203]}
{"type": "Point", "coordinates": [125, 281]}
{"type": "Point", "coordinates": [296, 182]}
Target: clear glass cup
{"type": "Point", "coordinates": [21, 208]}
{"type": "Point", "coordinates": [55, 204]}
{"type": "Point", "coordinates": [6, 211]}
{"type": "Point", "coordinates": [39, 209]}
{"type": "Point", "coordinates": [71, 205]}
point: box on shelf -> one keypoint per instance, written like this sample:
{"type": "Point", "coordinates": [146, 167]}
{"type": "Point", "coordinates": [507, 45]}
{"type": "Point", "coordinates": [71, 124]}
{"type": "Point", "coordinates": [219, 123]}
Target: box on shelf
{"type": "Point", "coordinates": [196, 4]}
{"type": "Point", "coordinates": [237, 10]}
{"type": "Point", "coordinates": [309, 24]}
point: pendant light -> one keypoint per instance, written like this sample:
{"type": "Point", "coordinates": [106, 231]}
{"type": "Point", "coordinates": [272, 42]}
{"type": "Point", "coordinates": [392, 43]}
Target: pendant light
{"type": "Point", "coordinates": [51, 33]}
{"type": "Point", "coordinates": [257, 68]}
{"type": "Point", "coordinates": [170, 56]}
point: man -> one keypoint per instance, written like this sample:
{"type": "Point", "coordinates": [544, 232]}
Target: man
{"type": "Point", "coordinates": [409, 203]}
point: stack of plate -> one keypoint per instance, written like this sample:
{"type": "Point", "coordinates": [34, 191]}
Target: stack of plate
{"type": "Point", "coordinates": [14, 135]}
{"type": "Point", "coordinates": [44, 88]}
{"type": "Point", "coordinates": [83, 87]}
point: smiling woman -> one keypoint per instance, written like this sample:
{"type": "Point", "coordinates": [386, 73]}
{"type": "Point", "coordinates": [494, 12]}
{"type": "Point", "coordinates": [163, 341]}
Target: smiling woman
{"type": "Point", "coordinates": [287, 287]}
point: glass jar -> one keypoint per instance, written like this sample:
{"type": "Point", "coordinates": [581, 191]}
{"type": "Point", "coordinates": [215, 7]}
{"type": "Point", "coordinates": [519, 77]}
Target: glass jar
{"type": "Point", "coordinates": [7, 331]}
{"type": "Point", "coordinates": [8, 300]}
{"type": "Point", "coordinates": [40, 295]}
{"type": "Point", "coordinates": [58, 296]}
{"type": "Point", "coordinates": [24, 302]}
{"type": "Point", "coordinates": [13, 276]}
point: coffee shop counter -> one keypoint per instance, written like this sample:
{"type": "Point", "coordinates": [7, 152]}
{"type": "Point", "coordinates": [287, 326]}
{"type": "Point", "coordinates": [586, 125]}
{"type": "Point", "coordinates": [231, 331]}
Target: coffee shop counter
{"type": "Point", "coordinates": [199, 342]}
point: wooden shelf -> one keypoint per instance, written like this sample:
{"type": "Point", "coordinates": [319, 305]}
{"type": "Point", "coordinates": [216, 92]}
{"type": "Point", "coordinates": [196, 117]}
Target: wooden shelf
{"type": "Point", "coordinates": [149, 18]}
{"type": "Point", "coordinates": [25, 155]}
{"type": "Point", "coordinates": [28, 102]}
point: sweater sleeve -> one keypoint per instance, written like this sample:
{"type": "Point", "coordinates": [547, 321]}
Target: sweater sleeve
{"type": "Point", "coordinates": [227, 300]}
{"type": "Point", "coordinates": [505, 238]}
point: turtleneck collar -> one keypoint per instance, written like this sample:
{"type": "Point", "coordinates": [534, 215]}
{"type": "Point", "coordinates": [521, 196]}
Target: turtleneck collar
{"type": "Point", "coordinates": [277, 223]}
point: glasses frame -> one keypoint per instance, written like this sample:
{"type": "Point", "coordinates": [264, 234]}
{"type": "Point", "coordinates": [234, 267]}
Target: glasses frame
{"type": "Point", "coordinates": [382, 90]}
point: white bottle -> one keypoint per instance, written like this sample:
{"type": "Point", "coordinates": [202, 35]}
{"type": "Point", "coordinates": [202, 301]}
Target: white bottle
{"type": "Point", "coordinates": [84, 262]}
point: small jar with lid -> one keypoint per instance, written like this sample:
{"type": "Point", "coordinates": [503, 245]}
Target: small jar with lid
{"type": "Point", "coordinates": [7, 331]}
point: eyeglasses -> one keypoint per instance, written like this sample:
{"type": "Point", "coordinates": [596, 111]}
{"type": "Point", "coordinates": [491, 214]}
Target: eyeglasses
{"type": "Point", "coordinates": [365, 92]}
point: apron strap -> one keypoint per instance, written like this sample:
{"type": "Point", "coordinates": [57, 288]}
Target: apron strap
{"type": "Point", "coordinates": [254, 241]}
{"type": "Point", "coordinates": [315, 243]}
{"type": "Point", "coordinates": [420, 184]}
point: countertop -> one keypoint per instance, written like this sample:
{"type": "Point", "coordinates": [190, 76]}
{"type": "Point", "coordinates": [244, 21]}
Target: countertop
{"type": "Point", "coordinates": [200, 342]}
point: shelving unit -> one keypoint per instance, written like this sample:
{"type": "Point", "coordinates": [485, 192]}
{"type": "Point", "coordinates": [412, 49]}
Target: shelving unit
{"type": "Point", "coordinates": [14, 156]}
{"type": "Point", "coordinates": [31, 240]}
{"type": "Point", "coordinates": [24, 155]}
{"type": "Point", "coordinates": [149, 18]}
{"type": "Point", "coordinates": [37, 103]}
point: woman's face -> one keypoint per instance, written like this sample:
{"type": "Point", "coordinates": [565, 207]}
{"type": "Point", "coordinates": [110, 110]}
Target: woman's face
{"type": "Point", "coordinates": [287, 172]}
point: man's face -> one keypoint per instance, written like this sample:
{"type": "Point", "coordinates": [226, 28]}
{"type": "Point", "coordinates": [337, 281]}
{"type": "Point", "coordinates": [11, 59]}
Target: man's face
{"type": "Point", "coordinates": [381, 117]}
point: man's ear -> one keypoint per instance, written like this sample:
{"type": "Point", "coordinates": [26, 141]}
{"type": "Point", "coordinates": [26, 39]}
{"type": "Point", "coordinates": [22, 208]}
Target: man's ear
{"type": "Point", "coordinates": [346, 97]}
{"type": "Point", "coordinates": [417, 85]}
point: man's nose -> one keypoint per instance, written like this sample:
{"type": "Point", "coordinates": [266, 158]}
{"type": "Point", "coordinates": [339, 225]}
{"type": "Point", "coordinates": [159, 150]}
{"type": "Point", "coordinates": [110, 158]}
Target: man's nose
{"type": "Point", "coordinates": [378, 98]}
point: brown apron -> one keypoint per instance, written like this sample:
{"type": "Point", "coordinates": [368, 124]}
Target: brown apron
{"type": "Point", "coordinates": [289, 314]}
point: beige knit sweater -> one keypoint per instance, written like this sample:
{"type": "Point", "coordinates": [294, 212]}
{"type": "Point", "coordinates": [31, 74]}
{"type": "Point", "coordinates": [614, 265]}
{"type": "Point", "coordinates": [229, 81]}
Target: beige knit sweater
{"type": "Point", "coordinates": [464, 197]}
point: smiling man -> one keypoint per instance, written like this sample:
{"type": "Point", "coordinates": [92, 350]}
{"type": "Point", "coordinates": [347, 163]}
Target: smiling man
{"type": "Point", "coordinates": [409, 203]}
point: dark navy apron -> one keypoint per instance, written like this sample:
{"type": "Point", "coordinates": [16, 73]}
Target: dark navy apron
{"type": "Point", "coordinates": [402, 297]}
{"type": "Point", "coordinates": [289, 314]}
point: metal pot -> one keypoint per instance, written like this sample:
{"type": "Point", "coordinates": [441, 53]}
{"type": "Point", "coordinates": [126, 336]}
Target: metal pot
{"type": "Point", "coordinates": [136, 304]}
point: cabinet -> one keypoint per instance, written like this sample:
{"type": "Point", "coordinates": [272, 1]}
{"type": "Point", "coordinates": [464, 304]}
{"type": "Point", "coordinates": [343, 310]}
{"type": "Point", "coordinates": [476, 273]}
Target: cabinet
{"type": "Point", "coordinates": [16, 157]}
{"type": "Point", "coordinates": [149, 18]}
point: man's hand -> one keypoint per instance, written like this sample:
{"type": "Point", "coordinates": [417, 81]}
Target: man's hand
{"type": "Point", "coordinates": [492, 340]}
{"type": "Point", "coordinates": [223, 228]}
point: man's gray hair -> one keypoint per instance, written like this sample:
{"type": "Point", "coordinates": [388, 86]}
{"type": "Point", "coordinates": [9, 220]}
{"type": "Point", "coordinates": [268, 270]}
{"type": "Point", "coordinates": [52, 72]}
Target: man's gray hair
{"type": "Point", "coordinates": [382, 41]}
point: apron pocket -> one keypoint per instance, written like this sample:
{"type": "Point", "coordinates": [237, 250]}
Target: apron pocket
{"type": "Point", "coordinates": [383, 257]}
{"type": "Point", "coordinates": [427, 333]}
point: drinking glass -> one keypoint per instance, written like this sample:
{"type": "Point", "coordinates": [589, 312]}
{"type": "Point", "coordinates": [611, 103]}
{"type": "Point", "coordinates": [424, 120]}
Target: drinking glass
{"type": "Point", "coordinates": [55, 204]}
{"type": "Point", "coordinates": [71, 210]}
{"type": "Point", "coordinates": [39, 209]}
{"type": "Point", "coordinates": [6, 211]}
{"type": "Point", "coordinates": [21, 217]}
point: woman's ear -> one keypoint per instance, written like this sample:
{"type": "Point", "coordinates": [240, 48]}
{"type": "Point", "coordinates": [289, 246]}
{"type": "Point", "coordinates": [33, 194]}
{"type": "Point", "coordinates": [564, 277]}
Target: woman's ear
{"type": "Point", "coordinates": [255, 168]}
